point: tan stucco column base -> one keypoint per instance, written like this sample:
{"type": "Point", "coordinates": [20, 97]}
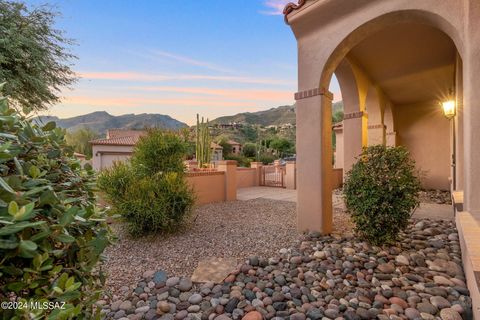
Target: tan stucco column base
{"type": "Point", "coordinates": [314, 163]}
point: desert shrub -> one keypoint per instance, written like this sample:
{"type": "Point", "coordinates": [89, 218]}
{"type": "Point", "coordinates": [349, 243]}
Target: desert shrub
{"type": "Point", "coordinates": [150, 192]}
{"type": "Point", "coordinates": [156, 203]}
{"type": "Point", "coordinates": [249, 150]}
{"type": "Point", "coordinates": [114, 181]}
{"type": "Point", "coordinates": [159, 151]}
{"type": "Point", "coordinates": [267, 158]}
{"type": "Point", "coordinates": [51, 233]}
{"type": "Point", "coordinates": [381, 191]}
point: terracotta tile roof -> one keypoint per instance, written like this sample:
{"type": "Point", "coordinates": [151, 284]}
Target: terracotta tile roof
{"type": "Point", "coordinates": [120, 137]}
{"type": "Point", "coordinates": [232, 142]}
{"type": "Point", "coordinates": [290, 7]}
{"type": "Point", "coordinates": [116, 133]}
{"type": "Point", "coordinates": [120, 141]}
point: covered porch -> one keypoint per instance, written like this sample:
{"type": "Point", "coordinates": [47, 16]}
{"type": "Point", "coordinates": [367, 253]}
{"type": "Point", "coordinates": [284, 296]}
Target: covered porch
{"type": "Point", "coordinates": [396, 62]}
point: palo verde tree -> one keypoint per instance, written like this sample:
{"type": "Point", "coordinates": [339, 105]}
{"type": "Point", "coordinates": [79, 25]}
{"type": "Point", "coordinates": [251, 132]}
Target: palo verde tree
{"type": "Point", "coordinates": [34, 59]}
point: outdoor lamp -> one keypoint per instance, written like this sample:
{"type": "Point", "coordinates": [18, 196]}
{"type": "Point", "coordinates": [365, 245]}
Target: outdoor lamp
{"type": "Point", "coordinates": [449, 109]}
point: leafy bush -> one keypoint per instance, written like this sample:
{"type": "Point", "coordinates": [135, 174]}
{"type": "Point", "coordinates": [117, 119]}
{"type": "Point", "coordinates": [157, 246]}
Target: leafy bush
{"type": "Point", "coordinates": [249, 150]}
{"type": "Point", "coordinates": [115, 181]}
{"type": "Point", "coordinates": [51, 233]}
{"type": "Point", "coordinates": [159, 151]}
{"type": "Point", "coordinates": [267, 158]}
{"type": "Point", "coordinates": [151, 192]}
{"type": "Point", "coordinates": [157, 203]}
{"type": "Point", "coordinates": [381, 192]}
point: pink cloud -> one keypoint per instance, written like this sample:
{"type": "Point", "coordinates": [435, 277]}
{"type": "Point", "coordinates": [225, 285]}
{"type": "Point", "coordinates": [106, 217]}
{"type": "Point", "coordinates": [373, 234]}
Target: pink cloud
{"type": "Point", "coordinates": [242, 94]}
{"type": "Point", "coordinates": [135, 102]}
{"type": "Point", "coordinates": [145, 77]}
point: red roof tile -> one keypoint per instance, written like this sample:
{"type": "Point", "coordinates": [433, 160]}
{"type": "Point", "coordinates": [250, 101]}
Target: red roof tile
{"type": "Point", "coordinates": [120, 141]}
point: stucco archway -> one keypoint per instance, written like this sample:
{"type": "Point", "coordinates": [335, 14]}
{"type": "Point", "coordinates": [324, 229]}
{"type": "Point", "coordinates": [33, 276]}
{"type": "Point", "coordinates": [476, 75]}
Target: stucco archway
{"type": "Point", "coordinates": [319, 58]}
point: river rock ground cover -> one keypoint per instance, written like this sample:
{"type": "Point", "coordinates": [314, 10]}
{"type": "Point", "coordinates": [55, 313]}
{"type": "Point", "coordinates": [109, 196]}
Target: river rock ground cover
{"type": "Point", "coordinates": [320, 277]}
{"type": "Point", "coordinates": [237, 229]}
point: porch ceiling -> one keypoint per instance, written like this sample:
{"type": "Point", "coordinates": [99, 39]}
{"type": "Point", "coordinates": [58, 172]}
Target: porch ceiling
{"type": "Point", "coordinates": [410, 62]}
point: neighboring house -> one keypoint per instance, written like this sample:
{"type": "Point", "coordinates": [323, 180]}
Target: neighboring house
{"type": "Point", "coordinates": [217, 152]}
{"type": "Point", "coordinates": [117, 146]}
{"type": "Point", "coordinates": [236, 147]}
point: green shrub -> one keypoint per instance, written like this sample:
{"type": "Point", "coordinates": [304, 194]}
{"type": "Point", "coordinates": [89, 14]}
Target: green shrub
{"type": "Point", "coordinates": [381, 191]}
{"type": "Point", "coordinates": [157, 203]}
{"type": "Point", "coordinates": [151, 192]}
{"type": "Point", "coordinates": [115, 180]}
{"type": "Point", "coordinates": [266, 158]}
{"type": "Point", "coordinates": [159, 151]}
{"type": "Point", "coordinates": [51, 233]}
{"type": "Point", "coordinates": [249, 150]}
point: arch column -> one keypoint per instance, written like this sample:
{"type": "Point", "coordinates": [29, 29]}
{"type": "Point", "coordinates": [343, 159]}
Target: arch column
{"type": "Point", "coordinates": [471, 112]}
{"type": "Point", "coordinates": [314, 160]}
{"type": "Point", "coordinates": [354, 118]}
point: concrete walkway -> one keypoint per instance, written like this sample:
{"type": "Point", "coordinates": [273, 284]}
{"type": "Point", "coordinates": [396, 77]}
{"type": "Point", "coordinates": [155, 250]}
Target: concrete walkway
{"type": "Point", "coordinates": [425, 210]}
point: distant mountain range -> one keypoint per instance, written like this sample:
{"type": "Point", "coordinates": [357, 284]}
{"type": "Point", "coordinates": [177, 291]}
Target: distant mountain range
{"type": "Point", "coordinates": [101, 121]}
{"type": "Point", "coordinates": [274, 116]}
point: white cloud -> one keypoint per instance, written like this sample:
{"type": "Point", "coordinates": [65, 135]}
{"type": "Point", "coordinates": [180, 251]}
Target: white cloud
{"type": "Point", "coordinates": [275, 7]}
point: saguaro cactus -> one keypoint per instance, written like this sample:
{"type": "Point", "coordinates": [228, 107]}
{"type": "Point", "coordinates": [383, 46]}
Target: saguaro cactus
{"type": "Point", "coordinates": [203, 140]}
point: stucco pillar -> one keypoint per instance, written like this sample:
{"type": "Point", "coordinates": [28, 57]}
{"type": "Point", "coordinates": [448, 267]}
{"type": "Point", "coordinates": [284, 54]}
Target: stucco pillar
{"type": "Point", "coordinates": [391, 139]}
{"type": "Point", "coordinates": [258, 171]}
{"type": "Point", "coordinates": [376, 134]}
{"type": "Point", "coordinates": [230, 169]}
{"type": "Point", "coordinates": [314, 161]}
{"type": "Point", "coordinates": [459, 125]}
{"type": "Point", "coordinates": [290, 172]}
{"type": "Point", "coordinates": [353, 138]}
{"type": "Point", "coordinates": [471, 120]}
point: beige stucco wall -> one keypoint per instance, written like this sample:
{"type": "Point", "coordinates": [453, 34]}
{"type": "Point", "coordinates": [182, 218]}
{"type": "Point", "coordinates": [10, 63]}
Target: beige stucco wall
{"type": "Point", "coordinates": [104, 155]}
{"type": "Point", "coordinates": [246, 177]}
{"type": "Point", "coordinates": [424, 130]}
{"type": "Point", "coordinates": [209, 187]}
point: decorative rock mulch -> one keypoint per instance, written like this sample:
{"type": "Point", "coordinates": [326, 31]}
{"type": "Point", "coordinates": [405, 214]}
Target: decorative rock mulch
{"type": "Point", "coordinates": [235, 229]}
{"type": "Point", "coordinates": [320, 278]}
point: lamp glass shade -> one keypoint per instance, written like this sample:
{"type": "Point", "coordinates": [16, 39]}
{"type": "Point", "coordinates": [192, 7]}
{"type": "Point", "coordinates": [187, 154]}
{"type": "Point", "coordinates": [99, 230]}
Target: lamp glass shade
{"type": "Point", "coordinates": [449, 108]}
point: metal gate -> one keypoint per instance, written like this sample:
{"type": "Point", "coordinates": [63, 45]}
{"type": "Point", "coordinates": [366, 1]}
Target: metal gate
{"type": "Point", "coordinates": [273, 176]}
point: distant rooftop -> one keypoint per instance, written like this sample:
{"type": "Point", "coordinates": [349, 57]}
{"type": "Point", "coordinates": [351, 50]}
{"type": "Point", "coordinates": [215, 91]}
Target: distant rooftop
{"type": "Point", "coordinates": [120, 137]}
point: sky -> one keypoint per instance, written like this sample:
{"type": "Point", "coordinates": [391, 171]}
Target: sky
{"type": "Point", "coordinates": [178, 57]}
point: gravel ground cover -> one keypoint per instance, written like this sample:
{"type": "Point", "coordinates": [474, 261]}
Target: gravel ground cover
{"type": "Point", "coordinates": [236, 229]}
{"type": "Point", "coordinates": [320, 277]}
